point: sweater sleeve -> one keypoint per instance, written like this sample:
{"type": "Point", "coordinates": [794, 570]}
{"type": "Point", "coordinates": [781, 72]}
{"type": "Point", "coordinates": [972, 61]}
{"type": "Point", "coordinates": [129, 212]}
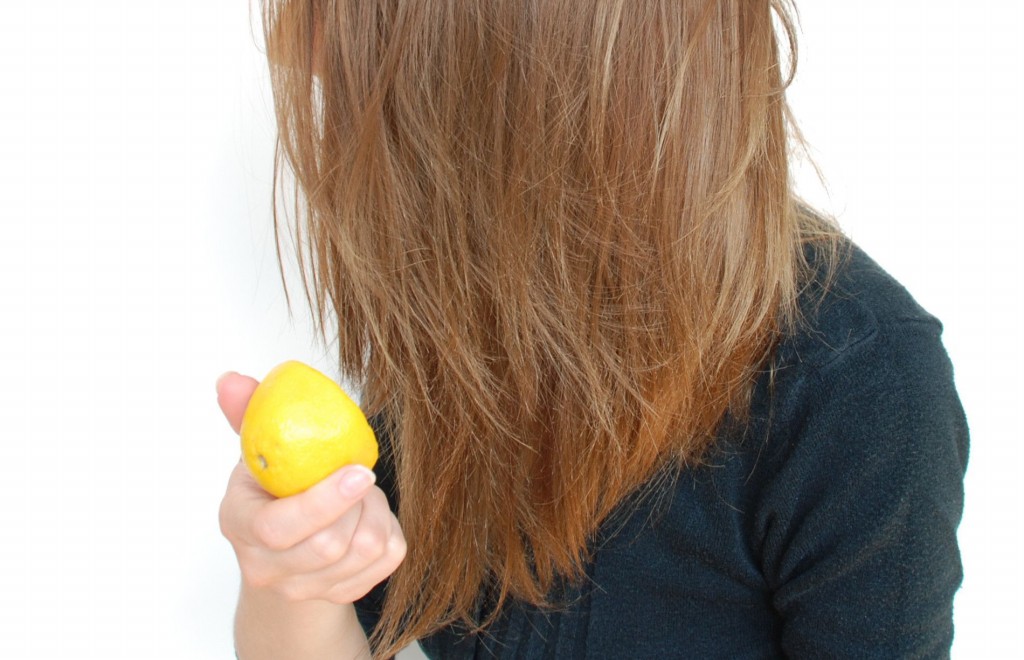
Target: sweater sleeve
{"type": "Point", "coordinates": [858, 521]}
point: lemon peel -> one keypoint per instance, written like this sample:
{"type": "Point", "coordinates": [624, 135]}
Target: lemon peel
{"type": "Point", "coordinates": [300, 427]}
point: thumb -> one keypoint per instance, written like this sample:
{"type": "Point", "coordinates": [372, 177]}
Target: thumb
{"type": "Point", "coordinates": [233, 394]}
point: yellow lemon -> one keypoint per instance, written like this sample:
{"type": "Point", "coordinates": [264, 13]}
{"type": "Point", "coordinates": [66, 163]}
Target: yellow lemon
{"type": "Point", "coordinates": [300, 427]}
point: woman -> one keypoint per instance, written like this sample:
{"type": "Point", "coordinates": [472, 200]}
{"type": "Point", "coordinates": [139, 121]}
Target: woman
{"type": "Point", "coordinates": [636, 400]}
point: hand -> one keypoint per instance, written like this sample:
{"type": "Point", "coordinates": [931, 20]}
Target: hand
{"type": "Point", "coordinates": [333, 542]}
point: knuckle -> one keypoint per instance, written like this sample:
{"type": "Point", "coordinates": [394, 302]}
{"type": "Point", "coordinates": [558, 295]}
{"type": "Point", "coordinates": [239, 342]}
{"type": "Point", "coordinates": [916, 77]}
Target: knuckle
{"type": "Point", "coordinates": [266, 533]}
{"type": "Point", "coordinates": [397, 548]}
{"type": "Point", "coordinates": [369, 542]}
{"type": "Point", "coordinates": [327, 546]}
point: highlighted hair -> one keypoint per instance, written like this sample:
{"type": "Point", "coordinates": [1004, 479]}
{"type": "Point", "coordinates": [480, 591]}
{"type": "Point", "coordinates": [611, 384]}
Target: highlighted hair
{"type": "Point", "coordinates": [558, 241]}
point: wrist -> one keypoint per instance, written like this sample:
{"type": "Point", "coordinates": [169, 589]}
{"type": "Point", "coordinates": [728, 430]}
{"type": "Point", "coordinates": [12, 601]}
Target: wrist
{"type": "Point", "coordinates": [269, 625]}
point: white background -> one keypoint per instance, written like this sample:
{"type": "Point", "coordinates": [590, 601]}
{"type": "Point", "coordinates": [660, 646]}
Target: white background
{"type": "Point", "coordinates": [137, 264]}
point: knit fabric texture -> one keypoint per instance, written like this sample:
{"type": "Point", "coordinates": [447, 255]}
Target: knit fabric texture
{"type": "Point", "coordinates": [824, 526]}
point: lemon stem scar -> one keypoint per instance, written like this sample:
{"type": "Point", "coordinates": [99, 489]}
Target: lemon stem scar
{"type": "Point", "coordinates": [263, 461]}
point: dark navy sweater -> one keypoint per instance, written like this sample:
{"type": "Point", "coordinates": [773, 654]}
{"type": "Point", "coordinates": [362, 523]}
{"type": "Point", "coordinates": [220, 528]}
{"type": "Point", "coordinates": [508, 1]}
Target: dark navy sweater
{"type": "Point", "coordinates": [824, 527]}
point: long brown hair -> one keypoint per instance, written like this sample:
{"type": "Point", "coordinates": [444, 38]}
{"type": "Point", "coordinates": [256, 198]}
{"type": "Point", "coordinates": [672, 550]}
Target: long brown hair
{"type": "Point", "coordinates": [557, 239]}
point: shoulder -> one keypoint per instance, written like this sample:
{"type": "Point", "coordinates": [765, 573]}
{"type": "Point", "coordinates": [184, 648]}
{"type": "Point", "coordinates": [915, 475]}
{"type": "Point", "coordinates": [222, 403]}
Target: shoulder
{"type": "Point", "coordinates": [864, 374]}
{"type": "Point", "coordinates": [858, 303]}
{"type": "Point", "coordinates": [865, 355]}
{"type": "Point", "coordinates": [862, 473]}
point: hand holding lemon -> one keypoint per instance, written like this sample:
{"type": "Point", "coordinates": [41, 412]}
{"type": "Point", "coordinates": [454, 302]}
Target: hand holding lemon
{"type": "Point", "coordinates": [336, 537]}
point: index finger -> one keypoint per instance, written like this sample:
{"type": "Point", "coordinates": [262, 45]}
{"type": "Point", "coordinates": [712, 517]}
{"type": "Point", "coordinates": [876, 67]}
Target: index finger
{"type": "Point", "coordinates": [285, 522]}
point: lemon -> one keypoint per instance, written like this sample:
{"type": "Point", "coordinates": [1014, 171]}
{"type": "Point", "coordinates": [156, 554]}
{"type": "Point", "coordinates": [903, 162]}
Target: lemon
{"type": "Point", "coordinates": [299, 427]}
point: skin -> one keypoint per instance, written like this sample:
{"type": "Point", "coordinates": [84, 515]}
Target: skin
{"type": "Point", "coordinates": [304, 559]}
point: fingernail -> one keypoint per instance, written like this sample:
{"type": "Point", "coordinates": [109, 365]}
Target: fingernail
{"type": "Point", "coordinates": [355, 480]}
{"type": "Point", "coordinates": [223, 376]}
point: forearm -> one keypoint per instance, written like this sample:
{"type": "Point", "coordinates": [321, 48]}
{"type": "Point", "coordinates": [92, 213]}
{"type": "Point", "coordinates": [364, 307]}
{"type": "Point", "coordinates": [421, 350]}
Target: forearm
{"type": "Point", "coordinates": [269, 627]}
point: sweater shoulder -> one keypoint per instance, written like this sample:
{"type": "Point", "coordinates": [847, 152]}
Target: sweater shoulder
{"type": "Point", "coordinates": [855, 304]}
